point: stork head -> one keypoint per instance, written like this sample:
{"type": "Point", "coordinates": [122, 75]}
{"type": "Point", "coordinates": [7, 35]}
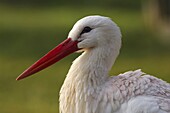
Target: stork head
{"type": "Point", "coordinates": [95, 31]}
{"type": "Point", "coordinates": [88, 33]}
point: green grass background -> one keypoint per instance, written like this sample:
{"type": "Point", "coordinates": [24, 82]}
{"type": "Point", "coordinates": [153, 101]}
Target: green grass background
{"type": "Point", "coordinates": [27, 33]}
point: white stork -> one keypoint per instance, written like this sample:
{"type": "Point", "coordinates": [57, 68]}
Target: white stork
{"type": "Point", "coordinates": [88, 88]}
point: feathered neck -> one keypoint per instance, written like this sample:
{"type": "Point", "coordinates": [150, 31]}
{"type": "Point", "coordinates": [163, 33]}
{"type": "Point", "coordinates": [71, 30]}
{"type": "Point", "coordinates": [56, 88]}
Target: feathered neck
{"type": "Point", "coordinates": [87, 73]}
{"type": "Point", "coordinates": [93, 65]}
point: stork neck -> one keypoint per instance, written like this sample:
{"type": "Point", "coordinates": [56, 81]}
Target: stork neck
{"type": "Point", "coordinates": [93, 66]}
{"type": "Point", "coordinates": [87, 73]}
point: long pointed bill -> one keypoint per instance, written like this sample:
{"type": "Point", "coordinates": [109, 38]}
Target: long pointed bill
{"type": "Point", "coordinates": [65, 48]}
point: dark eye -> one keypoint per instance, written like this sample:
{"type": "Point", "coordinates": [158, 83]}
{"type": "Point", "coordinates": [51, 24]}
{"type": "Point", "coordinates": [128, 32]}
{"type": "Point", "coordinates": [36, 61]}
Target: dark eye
{"type": "Point", "coordinates": [86, 30]}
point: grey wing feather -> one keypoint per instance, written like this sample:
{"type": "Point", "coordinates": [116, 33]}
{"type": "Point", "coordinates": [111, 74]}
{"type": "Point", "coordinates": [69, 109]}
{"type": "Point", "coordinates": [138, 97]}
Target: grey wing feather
{"type": "Point", "coordinates": [137, 83]}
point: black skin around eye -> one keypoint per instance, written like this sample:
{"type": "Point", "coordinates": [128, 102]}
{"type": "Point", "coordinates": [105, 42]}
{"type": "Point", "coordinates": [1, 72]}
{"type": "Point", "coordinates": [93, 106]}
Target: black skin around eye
{"type": "Point", "coordinates": [86, 30]}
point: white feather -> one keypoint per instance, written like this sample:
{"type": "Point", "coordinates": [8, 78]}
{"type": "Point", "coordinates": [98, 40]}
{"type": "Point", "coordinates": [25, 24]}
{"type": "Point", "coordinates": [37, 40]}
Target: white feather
{"type": "Point", "coordinates": [88, 87]}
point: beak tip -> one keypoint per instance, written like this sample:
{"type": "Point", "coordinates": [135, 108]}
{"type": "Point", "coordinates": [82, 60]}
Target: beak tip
{"type": "Point", "coordinates": [18, 78]}
{"type": "Point", "coordinates": [21, 76]}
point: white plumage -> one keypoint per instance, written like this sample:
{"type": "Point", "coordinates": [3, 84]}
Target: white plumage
{"type": "Point", "coordinates": [89, 89]}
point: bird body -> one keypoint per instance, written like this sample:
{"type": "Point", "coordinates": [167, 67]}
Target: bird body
{"type": "Point", "coordinates": [130, 92]}
{"type": "Point", "coordinates": [88, 88]}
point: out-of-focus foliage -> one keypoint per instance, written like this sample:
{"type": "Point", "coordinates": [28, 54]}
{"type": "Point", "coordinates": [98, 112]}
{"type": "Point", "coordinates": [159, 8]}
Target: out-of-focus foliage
{"type": "Point", "coordinates": [30, 32]}
{"type": "Point", "coordinates": [106, 3]}
{"type": "Point", "coordinates": [156, 15]}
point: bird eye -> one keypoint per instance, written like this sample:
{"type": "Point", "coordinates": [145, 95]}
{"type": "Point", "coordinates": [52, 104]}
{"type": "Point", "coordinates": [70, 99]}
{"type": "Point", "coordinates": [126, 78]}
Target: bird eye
{"type": "Point", "coordinates": [86, 30]}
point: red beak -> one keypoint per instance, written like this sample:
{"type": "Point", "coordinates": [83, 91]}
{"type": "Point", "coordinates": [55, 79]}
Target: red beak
{"type": "Point", "coordinates": [62, 50]}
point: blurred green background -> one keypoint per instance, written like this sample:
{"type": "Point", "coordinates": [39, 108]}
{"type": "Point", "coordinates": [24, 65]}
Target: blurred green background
{"type": "Point", "coordinates": [30, 28]}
